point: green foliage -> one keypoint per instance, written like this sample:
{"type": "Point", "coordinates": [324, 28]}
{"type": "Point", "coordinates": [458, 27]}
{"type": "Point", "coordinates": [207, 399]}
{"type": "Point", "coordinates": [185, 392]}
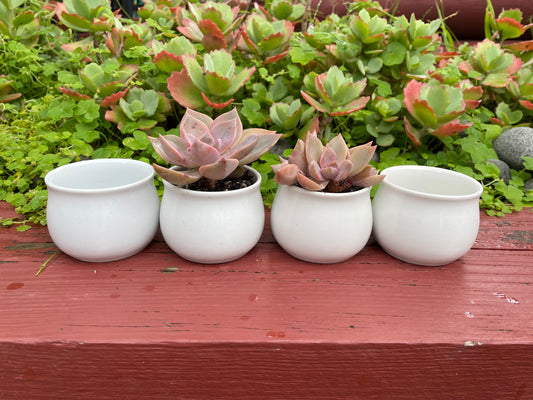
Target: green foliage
{"type": "Point", "coordinates": [77, 82]}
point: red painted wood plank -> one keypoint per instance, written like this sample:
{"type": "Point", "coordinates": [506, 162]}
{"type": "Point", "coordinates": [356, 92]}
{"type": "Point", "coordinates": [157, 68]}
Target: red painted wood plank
{"type": "Point", "coordinates": [265, 371]}
{"type": "Point", "coordinates": [271, 297]}
{"type": "Point", "coordinates": [268, 325]}
{"type": "Point", "coordinates": [514, 231]}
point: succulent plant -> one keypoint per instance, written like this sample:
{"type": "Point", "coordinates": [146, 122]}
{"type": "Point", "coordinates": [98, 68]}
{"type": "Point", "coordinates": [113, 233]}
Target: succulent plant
{"type": "Point", "coordinates": [86, 15]}
{"type": "Point", "coordinates": [105, 83]}
{"type": "Point", "coordinates": [212, 24]}
{"type": "Point", "coordinates": [491, 65]}
{"type": "Point", "coordinates": [268, 39]}
{"type": "Point", "coordinates": [368, 29]}
{"type": "Point", "coordinates": [333, 168]}
{"type": "Point", "coordinates": [17, 23]}
{"type": "Point", "coordinates": [522, 88]}
{"type": "Point", "coordinates": [139, 109]}
{"type": "Point", "coordinates": [214, 84]}
{"type": "Point", "coordinates": [168, 57]}
{"type": "Point", "coordinates": [359, 49]}
{"type": "Point", "coordinates": [383, 120]}
{"type": "Point", "coordinates": [283, 9]}
{"type": "Point", "coordinates": [121, 39]}
{"type": "Point", "coordinates": [291, 116]}
{"type": "Point", "coordinates": [5, 90]}
{"type": "Point", "coordinates": [508, 24]}
{"type": "Point", "coordinates": [334, 93]}
{"type": "Point", "coordinates": [210, 149]}
{"type": "Point", "coordinates": [436, 107]}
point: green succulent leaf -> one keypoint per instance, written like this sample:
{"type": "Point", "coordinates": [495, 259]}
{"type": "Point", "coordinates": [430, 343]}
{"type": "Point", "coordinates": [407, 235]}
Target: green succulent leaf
{"type": "Point", "coordinates": [425, 114]}
{"type": "Point", "coordinates": [79, 7]}
{"type": "Point", "coordinates": [509, 28]}
{"type": "Point", "coordinates": [216, 84]}
{"type": "Point", "coordinates": [23, 18]}
{"type": "Point", "coordinates": [150, 101]}
{"type": "Point", "coordinates": [394, 54]}
{"type": "Point", "coordinates": [359, 27]}
{"type": "Point", "coordinates": [220, 62]}
{"type": "Point", "coordinates": [238, 80]}
{"type": "Point", "coordinates": [344, 94]}
{"type": "Point", "coordinates": [195, 72]}
{"type": "Point", "coordinates": [283, 10]}
{"type": "Point", "coordinates": [75, 22]}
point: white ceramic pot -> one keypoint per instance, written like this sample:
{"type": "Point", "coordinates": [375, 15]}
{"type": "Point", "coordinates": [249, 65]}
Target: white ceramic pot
{"type": "Point", "coordinates": [321, 227]}
{"type": "Point", "coordinates": [102, 210]}
{"type": "Point", "coordinates": [426, 215]}
{"type": "Point", "coordinates": [212, 227]}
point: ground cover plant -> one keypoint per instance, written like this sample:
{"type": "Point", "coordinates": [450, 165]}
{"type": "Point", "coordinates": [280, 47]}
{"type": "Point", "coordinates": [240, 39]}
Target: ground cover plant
{"type": "Point", "coordinates": [77, 81]}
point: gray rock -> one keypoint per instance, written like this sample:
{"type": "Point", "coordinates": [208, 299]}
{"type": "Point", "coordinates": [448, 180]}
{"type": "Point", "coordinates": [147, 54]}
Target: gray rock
{"type": "Point", "coordinates": [505, 171]}
{"type": "Point", "coordinates": [280, 147]}
{"type": "Point", "coordinates": [528, 185]}
{"type": "Point", "coordinates": [514, 143]}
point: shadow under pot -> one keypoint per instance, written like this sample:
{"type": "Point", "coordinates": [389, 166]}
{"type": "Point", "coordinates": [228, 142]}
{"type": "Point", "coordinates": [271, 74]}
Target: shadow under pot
{"type": "Point", "coordinates": [212, 227]}
{"type": "Point", "coordinates": [102, 210]}
{"type": "Point", "coordinates": [426, 215]}
{"type": "Point", "coordinates": [321, 227]}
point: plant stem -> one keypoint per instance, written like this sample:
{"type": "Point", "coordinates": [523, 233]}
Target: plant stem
{"type": "Point", "coordinates": [43, 265]}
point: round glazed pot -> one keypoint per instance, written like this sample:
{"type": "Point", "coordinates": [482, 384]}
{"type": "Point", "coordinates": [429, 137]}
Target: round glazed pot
{"type": "Point", "coordinates": [426, 215]}
{"type": "Point", "coordinates": [212, 227]}
{"type": "Point", "coordinates": [321, 227]}
{"type": "Point", "coordinates": [102, 210]}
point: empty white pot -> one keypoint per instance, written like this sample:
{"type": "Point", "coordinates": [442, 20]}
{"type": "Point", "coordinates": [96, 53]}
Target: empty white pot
{"type": "Point", "coordinates": [212, 227]}
{"type": "Point", "coordinates": [426, 215]}
{"type": "Point", "coordinates": [102, 210]}
{"type": "Point", "coordinates": [321, 227]}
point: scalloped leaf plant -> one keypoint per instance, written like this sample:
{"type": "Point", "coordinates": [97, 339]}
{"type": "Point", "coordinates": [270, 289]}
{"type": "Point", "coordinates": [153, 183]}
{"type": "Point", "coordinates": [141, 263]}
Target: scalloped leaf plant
{"type": "Point", "coordinates": [212, 84]}
{"type": "Point", "coordinates": [6, 94]}
{"type": "Point", "coordinates": [212, 24]}
{"type": "Point", "coordinates": [86, 15]}
{"type": "Point", "coordinates": [491, 65]}
{"type": "Point", "coordinates": [168, 57]}
{"type": "Point", "coordinates": [436, 107]}
{"type": "Point", "coordinates": [268, 39]}
{"type": "Point", "coordinates": [333, 93]}
{"type": "Point", "coordinates": [140, 109]}
{"type": "Point", "coordinates": [106, 83]}
{"type": "Point", "coordinates": [18, 23]}
{"type": "Point", "coordinates": [283, 9]}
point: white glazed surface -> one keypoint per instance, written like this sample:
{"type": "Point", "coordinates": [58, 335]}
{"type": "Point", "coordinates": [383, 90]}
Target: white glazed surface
{"type": "Point", "coordinates": [102, 210]}
{"type": "Point", "coordinates": [321, 227]}
{"type": "Point", "coordinates": [212, 227]}
{"type": "Point", "coordinates": [426, 215]}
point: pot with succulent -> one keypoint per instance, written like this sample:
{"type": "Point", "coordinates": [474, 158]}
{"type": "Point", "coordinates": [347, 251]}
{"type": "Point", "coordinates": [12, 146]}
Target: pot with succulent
{"type": "Point", "coordinates": [212, 210]}
{"type": "Point", "coordinates": [322, 211]}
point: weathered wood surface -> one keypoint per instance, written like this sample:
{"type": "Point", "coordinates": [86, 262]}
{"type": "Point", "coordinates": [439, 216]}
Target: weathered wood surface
{"type": "Point", "coordinates": [268, 326]}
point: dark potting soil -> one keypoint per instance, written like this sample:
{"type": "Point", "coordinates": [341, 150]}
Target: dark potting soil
{"type": "Point", "coordinates": [343, 186]}
{"type": "Point", "coordinates": [343, 189]}
{"type": "Point", "coordinates": [354, 189]}
{"type": "Point", "coordinates": [206, 185]}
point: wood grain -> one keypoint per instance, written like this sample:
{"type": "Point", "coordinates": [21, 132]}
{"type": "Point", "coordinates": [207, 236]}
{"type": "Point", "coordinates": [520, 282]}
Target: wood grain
{"type": "Point", "coordinates": [155, 326]}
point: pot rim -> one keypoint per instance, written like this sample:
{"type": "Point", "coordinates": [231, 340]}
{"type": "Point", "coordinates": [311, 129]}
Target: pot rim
{"type": "Point", "coordinates": [48, 179]}
{"type": "Point", "coordinates": [326, 194]}
{"type": "Point", "coordinates": [477, 188]}
{"type": "Point", "coordinates": [227, 193]}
